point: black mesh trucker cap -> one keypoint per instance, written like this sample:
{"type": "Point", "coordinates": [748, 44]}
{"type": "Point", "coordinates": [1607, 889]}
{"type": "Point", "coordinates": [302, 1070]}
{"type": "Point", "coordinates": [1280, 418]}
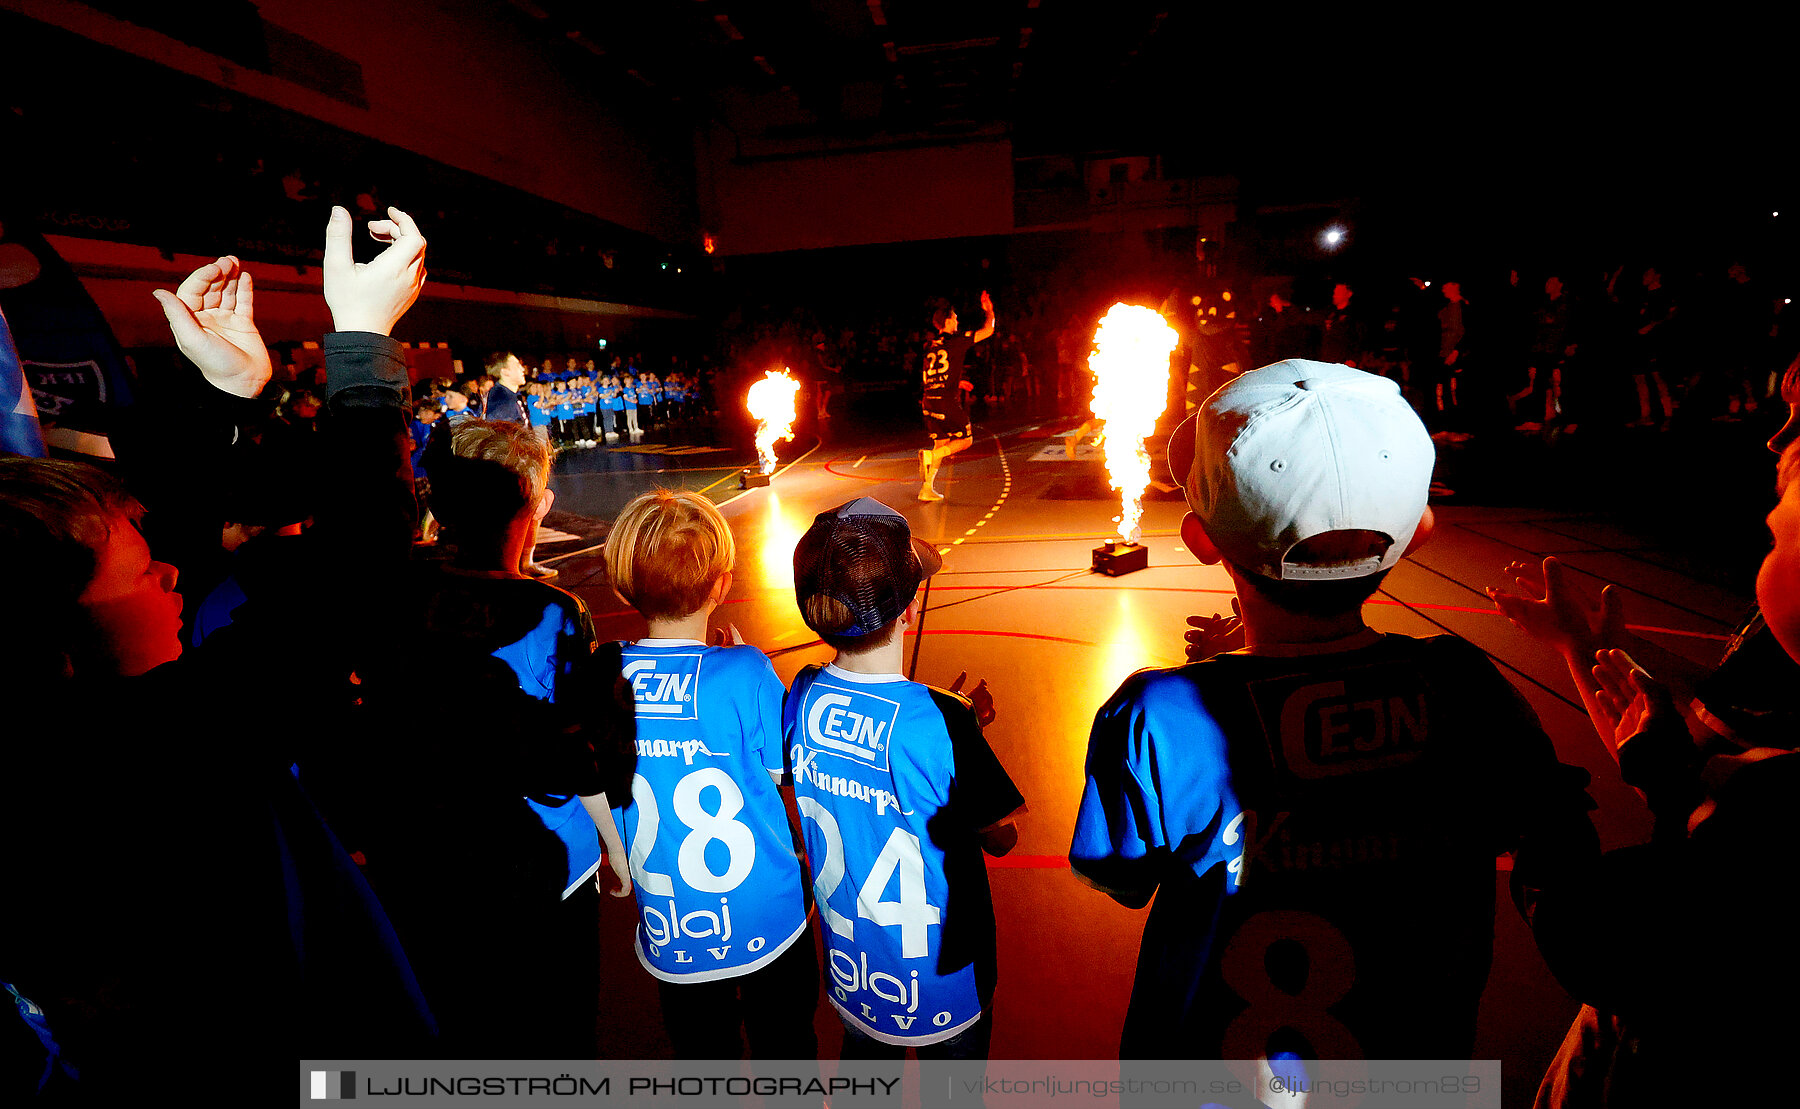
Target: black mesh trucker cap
{"type": "Point", "coordinates": [857, 568]}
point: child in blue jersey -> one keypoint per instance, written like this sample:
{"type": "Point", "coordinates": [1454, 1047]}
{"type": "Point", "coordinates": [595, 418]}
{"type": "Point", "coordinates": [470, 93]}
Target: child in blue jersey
{"type": "Point", "coordinates": [650, 401]}
{"type": "Point", "coordinates": [1323, 805]}
{"type": "Point", "coordinates": [562, 413]}
{"type": "Point", "coordinates": [537, 406]}
{"type": "Point", "coordinates": [722, 918]}
{"type": "Point", "coordinates": [629, 394]}
{"type": "Point", "coordinates": [899, 794]}
{"type": "Point", "coordinates": [587, 412]}
{"type": "Point", "coordinates": [612, 406]}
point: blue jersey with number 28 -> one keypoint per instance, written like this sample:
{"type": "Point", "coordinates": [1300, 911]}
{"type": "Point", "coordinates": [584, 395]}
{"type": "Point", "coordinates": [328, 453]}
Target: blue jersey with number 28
{"type": "Point", "coordinates": [718, 881]}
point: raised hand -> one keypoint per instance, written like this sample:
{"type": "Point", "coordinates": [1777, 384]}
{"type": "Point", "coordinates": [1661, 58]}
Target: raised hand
{"type": "Point", "coordinates": [1636, 701]}
{"type": "Point", "coordinates": [987, 302]}
{"type": "Point", "coordinates": [981, 699]}
{"type": "Point", "coordinates": [372, 296]}
{"type": "Point", "coordinates": [213, 318]}
{"type": "Point", "coordinates": [1215, 634]}
{"type": "Point", "coordinates": [728, 636]}
{"type": "Point", "coordinates": [1546, 606]}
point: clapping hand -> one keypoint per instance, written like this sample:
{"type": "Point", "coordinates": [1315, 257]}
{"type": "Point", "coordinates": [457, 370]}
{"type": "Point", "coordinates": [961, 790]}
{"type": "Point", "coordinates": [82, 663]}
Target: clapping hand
{"type": "Point", "coordinates": [1215, 634]}
{"type": "Point", "coordinates": [621, 870]}
{"type": "Point", "coordinates": [1547, 607]}
{"type": "Point", "coordinates": [981, 699]}
{"type": "Point", "coordinates": [213, 317]}
{"type": "Point", "coordinates": [372, 296]}
{"type": "Point", "coordinates": [1637, 701]}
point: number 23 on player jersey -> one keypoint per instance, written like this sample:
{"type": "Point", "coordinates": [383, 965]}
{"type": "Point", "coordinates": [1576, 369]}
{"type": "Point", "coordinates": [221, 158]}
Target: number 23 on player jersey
{"type": "Point", "coordinates": [937, 366]}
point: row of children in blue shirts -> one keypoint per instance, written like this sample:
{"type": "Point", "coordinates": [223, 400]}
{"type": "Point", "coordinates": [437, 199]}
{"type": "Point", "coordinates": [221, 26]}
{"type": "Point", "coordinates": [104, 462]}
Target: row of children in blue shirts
{"type": "Point", "coordinates": [569, 405]}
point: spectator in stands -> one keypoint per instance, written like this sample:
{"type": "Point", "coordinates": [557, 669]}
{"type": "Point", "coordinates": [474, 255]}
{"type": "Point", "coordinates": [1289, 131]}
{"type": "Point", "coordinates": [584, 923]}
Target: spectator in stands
{"type": "Point", "coordinates": [590, 428]}
{"type": "Point", "coordinates": [628, 397]}
{"type": "Point", "coordinates": [506, 404]}
{"type": "Point", "coordinates": [562, 415]}
{"type": "Point", "coordinates": [1651, 358]}
{"type": "Point", "coordinates": [1453, 342]}
{"type": "Point", "coordinates": [538, 408]}
{"type": "Point", "coordinates": [462, 402]}
{"type": "Point", "coordinates": [1280, 333]}
{"type": "Point", "coordinates": [650, 400]}
{"type": "Point", "coordinates": [1343, 338]}
{"type": "Point", "coordinates": [1551, 349]}
{"type": "Point", "coordinates": [425, 414]}
{"type": "Point", "coordinates": [503, 399]}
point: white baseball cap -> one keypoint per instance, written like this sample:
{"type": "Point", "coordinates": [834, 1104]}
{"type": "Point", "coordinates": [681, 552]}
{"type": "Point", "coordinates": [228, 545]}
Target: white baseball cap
{"type": "Point", "coordinates": [1297, 449]}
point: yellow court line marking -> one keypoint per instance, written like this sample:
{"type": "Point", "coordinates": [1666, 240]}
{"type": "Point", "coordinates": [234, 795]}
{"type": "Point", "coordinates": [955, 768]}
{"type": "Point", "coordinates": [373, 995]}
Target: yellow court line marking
{"type": "Point", "coordinates": [727, 477]}
{"type": "Point", "coordinates": [817, 443]}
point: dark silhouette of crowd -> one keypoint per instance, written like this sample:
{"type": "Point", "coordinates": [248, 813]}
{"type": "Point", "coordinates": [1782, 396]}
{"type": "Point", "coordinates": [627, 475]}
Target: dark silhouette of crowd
{"type": "Point", "coordinates": [1641, 346]}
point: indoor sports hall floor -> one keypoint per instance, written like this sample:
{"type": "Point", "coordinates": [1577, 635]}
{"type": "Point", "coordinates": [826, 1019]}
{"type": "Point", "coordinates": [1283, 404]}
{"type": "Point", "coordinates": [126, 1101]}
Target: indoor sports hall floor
{"type": "Point", "coordinates": [1016, 604]}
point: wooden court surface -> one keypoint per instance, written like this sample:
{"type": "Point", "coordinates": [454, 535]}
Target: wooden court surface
{"type": "Point", "coordinates": [1016, 604]}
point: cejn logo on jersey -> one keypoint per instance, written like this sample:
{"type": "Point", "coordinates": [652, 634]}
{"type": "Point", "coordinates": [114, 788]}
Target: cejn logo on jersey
{"type": "Point", "coordinates": [851, 725]}
{"type": "Point", "coordinates": [666, 687]}
{"type": "Point", "coordinates": [1355, 726]}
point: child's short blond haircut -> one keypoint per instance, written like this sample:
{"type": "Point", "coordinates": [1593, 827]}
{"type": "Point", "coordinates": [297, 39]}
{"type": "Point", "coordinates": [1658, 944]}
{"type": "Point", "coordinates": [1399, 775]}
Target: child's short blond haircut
{"type": "Point", "coordinates": [665, 552]}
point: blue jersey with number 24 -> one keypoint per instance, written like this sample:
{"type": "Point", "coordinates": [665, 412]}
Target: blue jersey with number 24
{"type": "Point", "coordinates": [873, 765]}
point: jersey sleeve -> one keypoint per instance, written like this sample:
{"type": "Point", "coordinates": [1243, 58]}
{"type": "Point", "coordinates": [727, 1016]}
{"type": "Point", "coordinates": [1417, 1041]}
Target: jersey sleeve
{"type": "Point", "coordinates": [764, 727]}
{"type": "Point", "coordinates": [790, 714]}
{"type": "Point", "coordinates": [982, 793]}
{"type": "Point", "coordinates": [1536, 807]}
{"type": "Point", "coordinates": [1158, 791]}
{"type": "Point", "coordinates": [598, 714]}
{"type": "Point", "coordinates": [1538, 804]}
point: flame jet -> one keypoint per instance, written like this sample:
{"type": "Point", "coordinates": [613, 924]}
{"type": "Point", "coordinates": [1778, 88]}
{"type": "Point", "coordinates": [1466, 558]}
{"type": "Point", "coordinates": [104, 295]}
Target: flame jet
{"type": "Point", "coordinates": [1130, 364]}
{"type": "Point", "coordinates": [771, 403]}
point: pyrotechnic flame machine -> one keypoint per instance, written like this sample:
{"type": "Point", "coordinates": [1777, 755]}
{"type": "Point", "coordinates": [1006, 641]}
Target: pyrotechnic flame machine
{"type": "Point", "coordinates": [771, 404]}
{"type": "Point", "coordinates": [1130, 363]}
